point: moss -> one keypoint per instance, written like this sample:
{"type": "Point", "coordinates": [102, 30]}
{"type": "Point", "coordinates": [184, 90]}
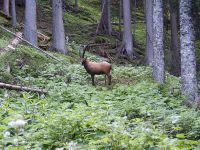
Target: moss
{"type": "Point", "coordinates": [101, 39]}
{"type": "Point", "coordinates": [139, 32]}
{"type": "Point", "coordinates": [81, 26]}
{"type": "Point", "coordinates": [6, 77]}
{"type": "Point", "coordinates": [5, 37]}
{"type": "Point", "coordinates": [23, 61]}
{"type": "Point", "coordinates": [3, 20]}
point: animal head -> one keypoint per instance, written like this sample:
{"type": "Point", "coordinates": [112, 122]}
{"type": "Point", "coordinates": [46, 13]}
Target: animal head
{"type": "Point", "coordinates": [83, 60]}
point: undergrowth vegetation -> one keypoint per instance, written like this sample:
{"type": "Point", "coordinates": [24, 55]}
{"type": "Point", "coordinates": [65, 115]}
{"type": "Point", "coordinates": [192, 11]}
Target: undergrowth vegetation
{"type": "Point", "coordinates": [132, 113]}
{"type": "Point", "coordinates": [4, 40]}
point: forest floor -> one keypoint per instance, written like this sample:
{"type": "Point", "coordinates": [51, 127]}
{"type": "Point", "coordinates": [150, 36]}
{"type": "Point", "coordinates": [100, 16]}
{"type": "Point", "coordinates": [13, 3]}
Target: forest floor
{"type": "Point", "coordinates": [133, 113]}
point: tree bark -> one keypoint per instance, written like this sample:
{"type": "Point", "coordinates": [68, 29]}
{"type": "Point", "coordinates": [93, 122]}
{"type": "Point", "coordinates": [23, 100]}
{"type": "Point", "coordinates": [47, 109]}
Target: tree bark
{"type": "Point", "coordinates": [188, 58]}
{"type": "Point", "coordinates": [158, 36]}
{"type": "Point", "coordinates": [149, 32]}
{"type": "Point", "coordinates": [76, 5]}
{"type": "Point", "coordinates": [175, 51]}
{"type": "Point", "coordinates": [30, 27]}
{"type": "Point", "coordinates": [58, 27]}
{"type": "Point", "coordinates": [127, 33]}
{"type": "Point", "coordinates": [14, 19]}
{"type": "Point", "coordinates": [105, 25]}
{"type": "Point", "coordinates": [120, 17]}
{"type": "Point", "coordinates": [6, 7]}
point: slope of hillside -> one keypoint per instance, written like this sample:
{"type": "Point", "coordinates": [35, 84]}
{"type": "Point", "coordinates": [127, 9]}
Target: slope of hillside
{"type": "Point", "coordinates": [133, 113]}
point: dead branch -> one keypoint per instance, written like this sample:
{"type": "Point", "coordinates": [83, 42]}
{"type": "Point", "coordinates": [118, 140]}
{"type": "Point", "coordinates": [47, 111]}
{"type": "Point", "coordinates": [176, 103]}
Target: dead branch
{"type": "Point", "coordinates": [117, 23]}
{"type": "Point", "coordinates": [15, 41]}
{"type": "Point", "coordinates": [21, 88]}
{"type": "Point", "coordinates": [99, 44]}
{"type": "Point", "coordinates": [39, 49]}
{"type": "Point", "coordinates": [40, 35]}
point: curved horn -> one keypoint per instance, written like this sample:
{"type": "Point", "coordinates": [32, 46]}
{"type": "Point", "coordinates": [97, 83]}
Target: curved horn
{"type": "Point", "coordinates": [83, 54]}
{"type": "Point", "coordinates": [79, 52]}
{"type": "Point", "coordinates": [85, 48]}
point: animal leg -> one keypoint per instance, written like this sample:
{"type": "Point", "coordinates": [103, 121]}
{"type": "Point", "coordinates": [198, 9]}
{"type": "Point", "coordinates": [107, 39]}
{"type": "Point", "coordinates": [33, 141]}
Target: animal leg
{"type": "Point", "coordinates": [109, 79]}
{"type": "Point", "coordinates": [92, 79]}
{"type": "Point", "coordinates": [105, 78]}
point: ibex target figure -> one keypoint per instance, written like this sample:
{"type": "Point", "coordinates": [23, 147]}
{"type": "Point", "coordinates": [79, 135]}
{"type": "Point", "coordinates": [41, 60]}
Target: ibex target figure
{"type": "Point", "coordinates": [96, 68]}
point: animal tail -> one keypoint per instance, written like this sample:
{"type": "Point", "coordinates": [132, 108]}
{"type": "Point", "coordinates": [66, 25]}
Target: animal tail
{"type": "Point", "coordinates": [111, 67]}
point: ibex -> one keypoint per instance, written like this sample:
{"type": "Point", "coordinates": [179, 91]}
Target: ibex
{"type": "Point", "coordinates": [96, 68]}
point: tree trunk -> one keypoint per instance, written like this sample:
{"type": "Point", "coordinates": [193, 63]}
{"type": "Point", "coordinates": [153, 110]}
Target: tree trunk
{"type": "Point", "coordinates": [6, 7]}
{"type": "Point", "coordinates": [158, 52]}
{"type": "Point", "coordinates": [175, 51]}
{"type": "Point", "coordinates": [20, 2]}
{"type": "Point", "coordinates": [14, 19]}
{"type": "Point", "coordinates": [149, 32]}
{"type": "Point", "coordinates": [104, 25]}
{"type": "Point", "coordinates": [58, 27]}
{"type": "Point", "coordinates": [42, 51]}
{"type": "Point", "coordinates": [127, 35]}
{"type": "Point", "coordinates": [30, 27]}
{"type": "Point", "coordinates": [76, 5]}
{"type": "Point", "coordinates": [134, 17]}
{"type": "Point", "coordinates": [120, 17]}
{"type": "Point", "coordinates": [188, 58]}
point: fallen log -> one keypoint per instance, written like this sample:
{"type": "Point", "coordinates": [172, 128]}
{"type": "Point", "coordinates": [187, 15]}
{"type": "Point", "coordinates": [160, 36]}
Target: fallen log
{"type": "Point", "coordinates": [40, 35]}
{"type": "Point", "coordinates": [15, 41]}
{"type": "Point", "coordinates": [37, 48]}
{"type": "Point", "coordinates": [21, 88]}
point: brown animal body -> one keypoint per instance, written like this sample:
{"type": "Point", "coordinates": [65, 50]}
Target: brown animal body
{"type": "Point", "coordinates": [97, 68]}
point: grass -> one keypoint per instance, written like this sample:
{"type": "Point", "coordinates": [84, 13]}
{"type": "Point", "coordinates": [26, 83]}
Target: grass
{"type": "Point", "coordinates": [4, 40]}
{"type": "Point", "coordinates": [133, 113]}
{"type": "Point", "coordinates": [77, 114]}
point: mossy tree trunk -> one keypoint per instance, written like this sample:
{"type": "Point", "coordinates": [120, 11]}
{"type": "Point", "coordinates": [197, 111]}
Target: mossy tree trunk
{"type": "Point", "coordinates": [149, 32]}
{"type": "Point", "coordinates": [175, 50]}
{"type": "Point", "coordinates": [127, 32]}
{"type": "Point", "coordinates": [158, 37]}
{"type": "Point", "coordinates": [6, 7]}
{"type": "Point", "coordinates": [104, 25]}
{"type": "Point", "coordinates": [30, 27]}
{"type": "Point", "coordinates": [14, 19]}
{"type": "Point", "coordinates": [58, 27]}
{"type": "Point", "coordinates": [76, 5]}
{"type": "Point", "coordinates": [188, 58]}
